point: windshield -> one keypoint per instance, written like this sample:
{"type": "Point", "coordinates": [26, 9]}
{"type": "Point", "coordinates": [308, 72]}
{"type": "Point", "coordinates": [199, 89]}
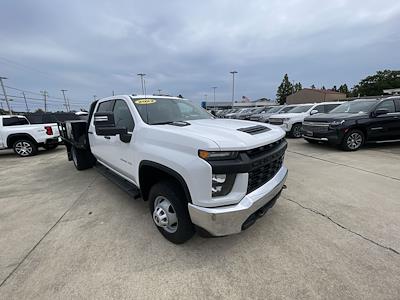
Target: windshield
{"type": "Point", "coordinates": [300, 109]}
{"type": "Point", "coordinates": [286, 109]}
{"type": "Point", "coordinates": [353, 107]}
{"type": "Point", "coordinates": [163, 110]}
{"type": "Point", "coordinates": [274, 109]}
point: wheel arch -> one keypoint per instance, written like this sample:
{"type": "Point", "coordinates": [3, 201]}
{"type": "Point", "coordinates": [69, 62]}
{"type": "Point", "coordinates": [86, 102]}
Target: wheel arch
{"type": "Point", "coordinates": [151, 172]}
{"type": "Point", "coordinates": [12, 138]}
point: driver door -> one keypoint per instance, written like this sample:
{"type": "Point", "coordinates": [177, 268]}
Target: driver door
{"type": "Point", "coordinates": [122, 153]}
{"type": "Point", "coordinates": [385, 127]}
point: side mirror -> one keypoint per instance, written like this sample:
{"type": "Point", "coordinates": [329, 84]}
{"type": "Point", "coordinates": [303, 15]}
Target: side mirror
{"type": "Point", "coordinates": [381, 111]}
{"type": "Point", "coordinates": [105, 125]}
{"type": "Point", "coordinates": [314, 111]}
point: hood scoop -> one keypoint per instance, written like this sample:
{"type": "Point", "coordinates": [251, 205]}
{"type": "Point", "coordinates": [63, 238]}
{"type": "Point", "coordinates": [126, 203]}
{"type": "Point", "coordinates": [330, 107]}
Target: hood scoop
{"type": "Point", "coordinates": [254, 129]}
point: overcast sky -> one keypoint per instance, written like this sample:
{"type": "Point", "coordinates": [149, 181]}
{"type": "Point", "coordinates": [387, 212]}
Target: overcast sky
{"type": "Point", "coordinates": [186, 47]}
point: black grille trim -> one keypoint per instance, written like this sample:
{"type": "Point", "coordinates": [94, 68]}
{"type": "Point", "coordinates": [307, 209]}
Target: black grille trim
{"type": "Point", "coordinates": [254, 129]}
{"type": "Point", "coordinates": [260, 175]}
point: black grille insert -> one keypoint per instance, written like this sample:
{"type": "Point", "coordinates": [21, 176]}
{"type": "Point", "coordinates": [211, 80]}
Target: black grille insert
{"type": "Point", "coordinates": [255, 129]}
{"type": "Point", "coordinates": [264, 173]}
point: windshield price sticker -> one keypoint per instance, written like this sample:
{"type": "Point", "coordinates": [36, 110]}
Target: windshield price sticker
{"type": "Point", "coordinates": [145, 101]}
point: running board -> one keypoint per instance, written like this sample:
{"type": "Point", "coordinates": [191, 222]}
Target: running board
{"type": "Point", "coordinates": [124, 184]}
{"type": "Point", "coordinates": [387, 141]}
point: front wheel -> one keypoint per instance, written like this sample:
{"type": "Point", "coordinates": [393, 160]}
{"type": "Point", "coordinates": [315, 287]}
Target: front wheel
{"type": "Point", "coordinates": [168, 208]}
{"type": "Point", "coordinates": [296, 131]}
{"type": "Point", "coordinates": [353, 140]}
{"type": "Point", "coordinates": [25, 148]}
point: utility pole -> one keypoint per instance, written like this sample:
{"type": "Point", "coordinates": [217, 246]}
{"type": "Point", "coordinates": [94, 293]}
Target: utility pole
{"type": "Point", "coordinates": [65, 100]}
{"type": "Point", "coordinates": [45, 94]}
{"type": "Point", "coordinates": [5, 94]}
{"type": "Point", "coordinates": [233, 86]}
{"type": "Point", "coordinates": [159, 92]}
{"type": "Point", "coordinates": [113, 93]}
{"type": "Point", "coordinates": [214, 88]}
{"type": "Point", "coordinates": [26, 103]}
{"type": "Point", "coordinates": [142, 81]}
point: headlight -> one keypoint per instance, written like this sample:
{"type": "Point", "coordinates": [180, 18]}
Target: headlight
{"type": "Point", "coordinates": [285, 119]}
{"type": "Point", "coordinates": [217, 155]}
{"type": "Point", "coordinates": [222, 184]}
{"type": "Point", "coordinates": [336, 123]}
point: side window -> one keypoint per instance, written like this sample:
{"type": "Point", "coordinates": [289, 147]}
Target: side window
{"type": "Point", "coordinates": [389, 105]}
{"type": "Point", "coordinates": [14, 121]}
{"type": "Point", "coordinates": [329, 107]}
{"type": "Point", "coordinates": [106, 106]}
{"type": "Point", "coordinates": [320, 108]}
{"type": "Point", "coordinates": [397, 102]}
{"type": "Point", "coordinates": [122, 115]}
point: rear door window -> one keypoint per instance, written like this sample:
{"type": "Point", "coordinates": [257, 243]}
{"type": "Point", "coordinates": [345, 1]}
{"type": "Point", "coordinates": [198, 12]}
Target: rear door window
{"type": "Point", "coordinates": [14, 121]}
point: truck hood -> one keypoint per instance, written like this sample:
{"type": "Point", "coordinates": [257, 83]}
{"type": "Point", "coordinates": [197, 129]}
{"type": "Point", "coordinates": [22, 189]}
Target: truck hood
{"type": "Point", "coordinates": [289, 115]}
{"type": "Point", "coordinates": [225, 133]}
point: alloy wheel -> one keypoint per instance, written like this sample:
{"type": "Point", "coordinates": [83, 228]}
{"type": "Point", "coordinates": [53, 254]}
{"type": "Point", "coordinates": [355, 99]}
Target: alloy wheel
{"type": "Point", "coordinates": [23, 148]}
{"type": "Point", "coordinates": [354, 141]}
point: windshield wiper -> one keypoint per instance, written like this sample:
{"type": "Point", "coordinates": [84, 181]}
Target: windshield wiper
{"type": "Point", "coordinates": [175, 123]}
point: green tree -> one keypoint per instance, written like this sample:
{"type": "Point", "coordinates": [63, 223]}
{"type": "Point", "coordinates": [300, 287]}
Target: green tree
{"type": "Point", "coordinates": [313, 86]}
{"type": "Point", "coordinates": [284, 90]}
{"type": "Point", "coordinates": [334, 88]}
{"type": "Point", "coordinates": [344, 89]}
{"type": "Point", "coordinates": [374, 85]}
{"type": "Point", "coordinates": [298, 87]}
{"type": "Point", "coordinates": [323, 88]}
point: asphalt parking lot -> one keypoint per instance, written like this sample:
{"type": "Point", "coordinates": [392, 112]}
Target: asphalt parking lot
{"type": "Point", "coordinates": [333, 234]}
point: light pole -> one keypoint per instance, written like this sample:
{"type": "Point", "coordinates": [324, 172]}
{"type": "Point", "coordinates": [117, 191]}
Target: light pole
{"type": "Point", "coordinates": [142, 81]}
{"type": "Point", "coordinates": [65, 101]}
{"type": "Point", "coordinates": [5, 94]}
{"type": "Point", "coordinates": [214, 88]}
{"type": "Point", "coordinates": [45, 94]}
{"type": "Point", "coordinates": [233, 86]}
{"type": "Point", "coordinates": [26, 103]}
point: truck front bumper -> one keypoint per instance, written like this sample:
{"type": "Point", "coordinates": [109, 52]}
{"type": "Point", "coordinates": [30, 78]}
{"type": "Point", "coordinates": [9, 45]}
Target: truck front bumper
{"type": "Point", "coordinates": [220, 221]}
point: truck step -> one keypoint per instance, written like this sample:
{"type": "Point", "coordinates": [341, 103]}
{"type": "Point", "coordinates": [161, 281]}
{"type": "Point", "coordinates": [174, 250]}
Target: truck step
{"type": "Point", "coordinates": [125, 185]}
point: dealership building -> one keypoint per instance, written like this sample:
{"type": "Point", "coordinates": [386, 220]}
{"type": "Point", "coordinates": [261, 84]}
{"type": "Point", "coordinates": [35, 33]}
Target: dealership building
{"type": "Point", "coordinates": [314, 95]}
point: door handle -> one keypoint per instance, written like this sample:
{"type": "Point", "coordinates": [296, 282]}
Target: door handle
{"type": "Point", "coordinates": [107, 137]}
{"type": "Point", "coordinates": [90, 132]}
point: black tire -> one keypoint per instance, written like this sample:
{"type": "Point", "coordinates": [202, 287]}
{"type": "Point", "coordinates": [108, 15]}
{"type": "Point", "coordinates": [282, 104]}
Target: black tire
{"type": "Point", "coordinates": [295, 132]}
{"type": "Point", "coordinates": [172, 192]}
{"type": "Point", "coordinates": [82, 158]}
{"type": "Point", "coordinates": [25, 148]}
{"type": "Point", "coordinates": [353, 140]}
{"type": "Point", "coordinates": [50, 146]}
{"type": "Point", "coordinates": [311, 141]}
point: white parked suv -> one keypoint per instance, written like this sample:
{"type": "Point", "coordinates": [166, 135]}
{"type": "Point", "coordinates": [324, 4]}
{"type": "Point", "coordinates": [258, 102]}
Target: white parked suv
{"type": "Point", "coordinates": [292, 121]}
{"type": "Point", "coordinates": [197, 172]}
{"type": "Point", "coordinates": [17, 133]}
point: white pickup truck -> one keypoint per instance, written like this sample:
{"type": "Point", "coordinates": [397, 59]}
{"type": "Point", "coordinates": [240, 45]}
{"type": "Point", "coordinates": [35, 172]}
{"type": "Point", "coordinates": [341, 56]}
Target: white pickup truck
{"type": "Point", "coordinates": [17, 133]}
{"type": "Point", "coordinates": [292, 121]}
{"type": "Point", "coordinates": [196, 171]}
